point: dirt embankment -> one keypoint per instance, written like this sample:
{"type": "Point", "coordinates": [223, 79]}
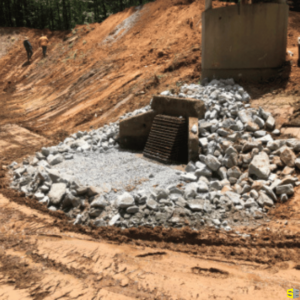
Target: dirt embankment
{"type": "Point", "coordinates": [95, 73]}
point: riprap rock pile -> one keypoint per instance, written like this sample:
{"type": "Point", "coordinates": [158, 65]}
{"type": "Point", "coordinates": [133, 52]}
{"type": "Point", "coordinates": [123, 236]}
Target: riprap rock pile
{"type": "Point", "coordinates": [241, 173]}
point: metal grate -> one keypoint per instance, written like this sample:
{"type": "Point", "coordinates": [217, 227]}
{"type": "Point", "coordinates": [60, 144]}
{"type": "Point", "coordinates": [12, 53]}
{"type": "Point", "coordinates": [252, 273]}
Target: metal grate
{"type": "Point", "coordinates": [168, 140]}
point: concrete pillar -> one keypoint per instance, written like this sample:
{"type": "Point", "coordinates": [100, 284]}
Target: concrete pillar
{"type": "Point", "coordinates": [208, 4]}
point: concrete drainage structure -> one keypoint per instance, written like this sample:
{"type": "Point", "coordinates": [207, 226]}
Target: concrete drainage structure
{"type": "Point", "coordinates": [244, 41]}
{"type": "Point", "coordinates": [242, 171]}
{"type": "Point", "coordinates": [134, 132]}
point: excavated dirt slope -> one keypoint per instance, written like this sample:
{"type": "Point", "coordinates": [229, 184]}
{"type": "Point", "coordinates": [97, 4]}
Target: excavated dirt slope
{"type": "Point", "coordinates": [91, 76]}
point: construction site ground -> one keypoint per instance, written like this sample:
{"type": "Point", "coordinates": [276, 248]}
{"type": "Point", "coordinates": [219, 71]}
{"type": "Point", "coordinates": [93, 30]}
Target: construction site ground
{"type": "Point", "coordinates": [91, 76]}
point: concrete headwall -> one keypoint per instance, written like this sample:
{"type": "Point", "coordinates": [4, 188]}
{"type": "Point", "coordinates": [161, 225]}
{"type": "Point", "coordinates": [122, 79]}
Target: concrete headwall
{"type": "Point", "coordinates": [244, 41]}
{"type": "Point", "coordinates": [134, 131]}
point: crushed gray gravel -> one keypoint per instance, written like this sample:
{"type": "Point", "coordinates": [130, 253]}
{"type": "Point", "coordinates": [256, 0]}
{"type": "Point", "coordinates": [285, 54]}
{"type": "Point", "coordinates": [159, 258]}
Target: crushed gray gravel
{"type": "Point", "coordinates": [120, 169]}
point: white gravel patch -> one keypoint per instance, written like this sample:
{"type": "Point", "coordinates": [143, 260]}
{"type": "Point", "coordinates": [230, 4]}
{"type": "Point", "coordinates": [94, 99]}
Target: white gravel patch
{"type": "Point", "coordinates": [120, 169]}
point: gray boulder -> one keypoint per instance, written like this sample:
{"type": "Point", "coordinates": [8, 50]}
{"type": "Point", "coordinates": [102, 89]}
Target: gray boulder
{"type": "Point", "coordinates": [57, 192]}
{"type": "Point", "coordinates": [152, 204]}
{"type": "Point", "coordinates": [132, 209]}
{"type": "Point", "coordinates": [260, 166]}
{"type": "Point", "coordinates": [284, 189]}
{"type": "Point", "coordinates": [245, 116]}
{"type": "Point", "coordinates": [297, 163]}
{"type": "Point", "coordinates": [196, 205]}
{"type": "Point", "coordinates": [55, 159]}
{"type": "Point", "coordinates": [288, 157]}
{"type": "Point", "coordinates": [234, 172]}
{"type": "Point", "coordinates": [190, 190]}
{"type": "Point", "coordinates": [264, 200]}
{"type": "Point", "coordinates": [100, 202]}
{"type": "Point", "coordinates": [270, 123]}
{"type": "Point", "coordinates": [212, 162]}
{"type": "Point", "coordinates": [202, 187]}
{"type": "Point", "coordinates": [125, 200]}
{"type": "Point", "coordinates": [114, 220]}
{"type": "Point", "coordinates": [188, 177]}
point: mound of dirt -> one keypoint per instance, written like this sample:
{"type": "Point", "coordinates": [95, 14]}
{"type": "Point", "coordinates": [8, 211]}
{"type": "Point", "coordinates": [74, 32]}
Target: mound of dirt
{"type": "Point", "coordinates": [129, 56]}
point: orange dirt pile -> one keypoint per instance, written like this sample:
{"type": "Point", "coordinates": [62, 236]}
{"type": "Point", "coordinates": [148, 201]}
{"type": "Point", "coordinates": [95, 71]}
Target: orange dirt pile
{"type": "Point", "coordinates": [96, 73]}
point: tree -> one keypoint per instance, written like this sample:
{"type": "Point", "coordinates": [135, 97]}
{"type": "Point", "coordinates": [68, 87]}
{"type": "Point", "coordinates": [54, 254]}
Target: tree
{"type": "Point", "coordinates": [59, 14]}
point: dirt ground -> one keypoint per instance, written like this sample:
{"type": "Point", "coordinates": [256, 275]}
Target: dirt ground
{"type": "Point", "coordinates": [86, 81]}
{"type": "Point", "coordinates": [44, 257]}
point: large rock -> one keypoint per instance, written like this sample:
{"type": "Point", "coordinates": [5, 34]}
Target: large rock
{"type": "Point", "coordinates": [234, 197]}
{"type": "Point", "coordinates": [234, 172]}
{"type": "Point", "coordinates": [248, 146]}
{"type": "Point", "coordinates": [196, 205]}
{"type": "Point", "coordinates": [264, 200]}
{"type": "Point", "coordinates": [231, 160]}
{"type": "Point", "coordinates": [132, 209]}
{"type": "Point", "coordinates": [162, 193]}
{"type": "Point", "coordinates": [260, 122]}
{"type": "Point", "coordinates": [100, 202]}
{"type": "Point", "coordinates": [284, 189]}
{"type": "Point", "coordinates": [188, 177]}
{"type": "Point", "coordinates": [294, 143]}
{"type": "Point", "coordinates": [114, 219]}
{"type": "Point", "coordinates": [57, 192]}
{"type": "Point", "coordinates": [245, 116]}
{"type": "Point", "coordinates": [202, 187]}
{"type": "Point", "coordinates": [297, 163]}
{"type": "Point", "coordinates": [212, 162]}
{"type": "Point", "coordinates": [55, 159]}
{"type": "Point", "coordinates": [54, 175]}
{"type": "Point", "coordinates": [270, 123]}
{"type": "Point", "coordinates": [93, 190]}
{"type": "Point", "coordinates": [71, 200]}
{"type": "Point", "coordinates": [202, 170]}
{"type": "Point", "coordinates": [190, 167]}
{"type": "Point", "coordinates": [125, 200]}
{"type": "Point", "coordinates": [288, 157]}
{"type": "Point", "coordinates": [190, 191]}
{"type": "Point", "coordinates": [260, 166]}
{"type": "Point", "coordinates": [152, 204]}
{"type": "Point", "coordinates": [251, 126]}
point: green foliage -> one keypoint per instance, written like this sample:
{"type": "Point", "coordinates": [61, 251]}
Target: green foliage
{"type": "Point", "coordinates": [59, 14]}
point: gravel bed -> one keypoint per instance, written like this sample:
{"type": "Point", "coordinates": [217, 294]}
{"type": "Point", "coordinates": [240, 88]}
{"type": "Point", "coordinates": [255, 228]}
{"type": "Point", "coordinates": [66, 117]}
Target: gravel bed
{"type": "Point", "coordinates": [120, 169]}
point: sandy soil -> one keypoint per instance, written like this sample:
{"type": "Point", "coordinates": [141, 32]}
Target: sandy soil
{"type": "Point", "coordinates": [42, 259]}
{"type": "Point", "coordinates": [88, 80]}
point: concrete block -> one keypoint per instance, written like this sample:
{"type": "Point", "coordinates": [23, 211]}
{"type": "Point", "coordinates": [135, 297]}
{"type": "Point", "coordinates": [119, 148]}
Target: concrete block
{"type": "Point", "coordinates": [134, 131]}
{"type": "Point", "coordinates": [193, 141]}
{"type": "Point", "coordinates": [178, 107]}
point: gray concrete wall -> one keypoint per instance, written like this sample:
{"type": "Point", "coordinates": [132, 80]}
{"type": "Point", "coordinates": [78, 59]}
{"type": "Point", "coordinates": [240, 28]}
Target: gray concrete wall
{"type": "Point", "coordinates": [177, 107]}
{"type": "Point", "coordinates": [244, 41]}
{"type": "Point", "coordinates": [193, 141]}
{"type": "Point", "coordinates": [134, 131]}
